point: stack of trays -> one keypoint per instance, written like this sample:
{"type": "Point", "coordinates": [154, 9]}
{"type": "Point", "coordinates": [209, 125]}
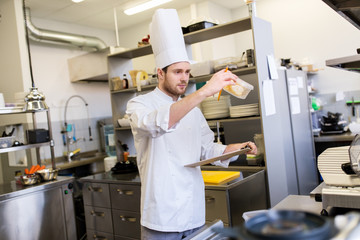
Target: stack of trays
{"type": "Point", "coordinates": [244, 110]}
{"type": "Point", "coordinates": [212, 108]}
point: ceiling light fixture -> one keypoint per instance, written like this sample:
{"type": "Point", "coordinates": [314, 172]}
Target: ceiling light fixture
{"type": "Point", "coordinates": [145, 6]}
{"type": "Point", "coordinates": [77, 1]}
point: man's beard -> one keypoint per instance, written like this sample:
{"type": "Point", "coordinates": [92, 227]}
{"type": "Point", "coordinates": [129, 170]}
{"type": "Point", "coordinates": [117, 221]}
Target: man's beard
{"type": "Point", "coordinates": [174, 90]}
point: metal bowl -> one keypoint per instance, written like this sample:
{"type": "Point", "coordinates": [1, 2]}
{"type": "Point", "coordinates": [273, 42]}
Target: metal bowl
{"type": "Point", "coordinates": [48, 174]}
{"type": "Point", "coordinates": [29, 179]}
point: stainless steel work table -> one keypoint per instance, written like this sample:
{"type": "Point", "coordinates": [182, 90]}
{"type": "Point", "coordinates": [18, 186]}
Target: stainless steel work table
{"type": "Point", "coordinates": [41, 211]}
{"type": "Point", "coordinates": [11, 190]}
{"type": "Point", "coordinates": [299, 203]}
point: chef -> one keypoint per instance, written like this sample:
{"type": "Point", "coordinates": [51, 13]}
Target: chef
{"type": "Point", "coordinates": [170, 132]}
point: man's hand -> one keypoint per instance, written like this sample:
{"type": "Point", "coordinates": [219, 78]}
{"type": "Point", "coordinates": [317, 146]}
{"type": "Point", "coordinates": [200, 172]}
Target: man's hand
{"type": "Point", "coordinates": [238, 146]}
{"type": "Point", "coordinates": [217, 82]}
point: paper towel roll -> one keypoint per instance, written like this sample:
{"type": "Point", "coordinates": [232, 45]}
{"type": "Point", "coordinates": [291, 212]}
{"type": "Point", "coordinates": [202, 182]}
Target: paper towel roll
{"type": "Point", "coordinates": [109, 162]}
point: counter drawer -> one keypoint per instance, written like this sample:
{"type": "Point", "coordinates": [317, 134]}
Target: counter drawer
{"type": "Point", "coordinates": [98, 219]}
{"type": "Point", "coordinates": [125, 197]}
{"type": "Point", "coordinates": [96, 235]}
{"type": "Point", "coordinates": [126, 223]}
{"type": "Point", "coordinates": [216, 206]}
{"type": "Point", "coordinates": [96, 194]}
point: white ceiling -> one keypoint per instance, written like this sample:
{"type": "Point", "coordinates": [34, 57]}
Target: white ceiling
{"type": "Point", "coordinates": [100, 13]}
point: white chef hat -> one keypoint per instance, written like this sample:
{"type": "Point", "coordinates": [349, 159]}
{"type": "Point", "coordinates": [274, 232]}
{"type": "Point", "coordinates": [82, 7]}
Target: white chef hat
{"type": "Point", "coordinates": [166, 38]}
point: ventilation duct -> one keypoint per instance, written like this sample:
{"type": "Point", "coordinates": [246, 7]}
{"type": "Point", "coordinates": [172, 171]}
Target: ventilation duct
{"type": "Point", "coordinates": [38, 34]}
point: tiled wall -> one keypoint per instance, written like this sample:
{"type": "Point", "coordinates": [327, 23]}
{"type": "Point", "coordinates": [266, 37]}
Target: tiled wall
{"type": "Point", "coordinates": [329, 104]}
{"type": "Point", "coordinates": [81, 135]}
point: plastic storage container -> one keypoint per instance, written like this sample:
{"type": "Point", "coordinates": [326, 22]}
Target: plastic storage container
{"type": "Point", "coordinates": [231, 63]}
{"type": "Point", "coordinates": [202, 68]}
{"type": "Point", "coordinates": [110, 147]}
{"type": "Point", "coordinates": [240, 90]}
{"type": "Point", "coordinates": [200, 25]}
{"type": "Point", "coordinates": [6, 142]}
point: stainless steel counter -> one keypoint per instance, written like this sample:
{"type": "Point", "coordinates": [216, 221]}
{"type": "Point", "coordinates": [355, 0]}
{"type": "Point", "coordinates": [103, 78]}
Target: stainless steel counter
{"type": "Point", "coordinates": [134, 178]}
{"type": "Point", "coordinates": [109, 177]}
{"type": "Point", "coordinates": [82, 159]}
{"type": "Point", "coordinates": [12, 190]}
{"type": "Point", "coordinates": [299, 203]}
{"type": "Point", "coordinates": [42, 211]}
{"type": "Point", "coordinates": [344, 137]}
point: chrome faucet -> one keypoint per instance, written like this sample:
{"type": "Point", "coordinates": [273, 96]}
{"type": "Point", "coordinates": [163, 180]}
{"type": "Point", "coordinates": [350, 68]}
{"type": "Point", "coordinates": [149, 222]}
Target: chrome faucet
{"type": "Point", "coordinates": [68, 138]}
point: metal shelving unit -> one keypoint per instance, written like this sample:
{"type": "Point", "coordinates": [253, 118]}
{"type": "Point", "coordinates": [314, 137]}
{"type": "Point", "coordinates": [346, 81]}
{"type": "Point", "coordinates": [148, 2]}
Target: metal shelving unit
{"type": "Point", "coordinates": [37, 146]}
{"type": "Point", "coordinates": [348, 9]}
{"type": "Point", "coordinates": [280, 184]}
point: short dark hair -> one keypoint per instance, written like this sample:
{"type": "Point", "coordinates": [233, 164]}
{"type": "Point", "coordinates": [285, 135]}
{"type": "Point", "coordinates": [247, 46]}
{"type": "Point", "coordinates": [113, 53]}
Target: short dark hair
{"type": "Point", "coordinates": [165, 69]}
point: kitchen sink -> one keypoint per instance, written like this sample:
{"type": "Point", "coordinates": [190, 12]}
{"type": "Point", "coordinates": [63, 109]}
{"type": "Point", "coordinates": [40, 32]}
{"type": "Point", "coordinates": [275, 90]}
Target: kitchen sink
{"type": "Point", "coordinates": [88, 162]}
{"type": "Point", "coordinates": [88, 155]}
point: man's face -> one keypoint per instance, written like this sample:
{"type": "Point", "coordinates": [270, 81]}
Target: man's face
{"type": "Point", "coordinates": [175, 80]}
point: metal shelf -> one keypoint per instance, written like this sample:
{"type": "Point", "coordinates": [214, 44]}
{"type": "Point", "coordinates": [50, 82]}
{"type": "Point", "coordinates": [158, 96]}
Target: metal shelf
{"type": "Point", "coordinates": [15, 111]}
{"type": "Point", "coordinates": [210, 122]}
{"type": "Point", "coordinates": [200, 79]}
{"type": "Point", "coordinates": [23, 147]}
{"type": "Point", "coordinates": [37, 145]}
{"type": "Point", "coordinates": [213, 122]}
{"type": "Point", "coordinates": [351, 63]}
{"type": "Point", "coordinates": [193, 37]}
{"type": "Point", "coordinates": [238, 72]}
{"type": "Point", "coordinates": [348, 9]}
{"type": "Point", "coordinates": [134, 89]}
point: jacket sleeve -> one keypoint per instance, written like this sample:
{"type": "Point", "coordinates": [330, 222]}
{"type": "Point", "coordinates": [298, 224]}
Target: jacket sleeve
{"type": "Point", "coordinates": [146, 120]}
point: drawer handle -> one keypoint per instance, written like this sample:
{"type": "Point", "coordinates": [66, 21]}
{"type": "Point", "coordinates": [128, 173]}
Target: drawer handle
{"type": "Point", "coordinates": [99, 237]}
{"type": "Point", "coordinates": [209, 199]}
{"type": "Point", "coordinates": [95, 189]}
{"type": "Point", "coordinates": [97, 214]}
{"type": "Point", "coordinates": [125, 192]}
{"type": "Point", "coordinates": [127, 219]}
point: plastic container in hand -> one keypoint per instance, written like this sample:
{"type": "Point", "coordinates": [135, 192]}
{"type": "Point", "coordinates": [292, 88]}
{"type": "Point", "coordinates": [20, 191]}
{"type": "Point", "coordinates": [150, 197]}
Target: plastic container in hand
{"type": "Point", "coordinates": [240, 90]}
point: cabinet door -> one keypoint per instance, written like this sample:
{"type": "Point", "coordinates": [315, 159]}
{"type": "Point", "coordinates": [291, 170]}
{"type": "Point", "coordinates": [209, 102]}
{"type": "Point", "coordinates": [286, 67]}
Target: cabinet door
{"type": "Point", "coordinates": [98, 219]}
{"type": "Point", "coordinates": [96, 235]}
{"type": "Point", "coordinates": [96, 194]}
{"type": "Point", "coordinates": [125, 197]}
{"type": "Point", "coordinates": [217, 206]}
{"type": "Point", "coordinates": [126, 223]}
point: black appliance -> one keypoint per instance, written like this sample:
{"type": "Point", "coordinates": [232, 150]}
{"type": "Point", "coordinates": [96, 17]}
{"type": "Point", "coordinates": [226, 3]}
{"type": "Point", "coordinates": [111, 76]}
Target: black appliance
{"type": "Point", "coordinates": [332, 123]}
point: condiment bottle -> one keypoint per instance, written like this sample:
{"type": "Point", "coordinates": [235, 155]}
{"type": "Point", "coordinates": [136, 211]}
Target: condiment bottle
{"type": "Point", "coordinates": [125, 82]}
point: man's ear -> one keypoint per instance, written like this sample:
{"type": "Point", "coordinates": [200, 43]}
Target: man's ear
{"type": "Point", "coordinates": [160, 73]}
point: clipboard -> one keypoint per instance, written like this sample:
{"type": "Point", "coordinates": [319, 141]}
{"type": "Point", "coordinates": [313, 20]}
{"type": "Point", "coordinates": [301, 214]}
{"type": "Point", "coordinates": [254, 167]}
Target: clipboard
{"type": "Point", "coordinates": [221, 157]}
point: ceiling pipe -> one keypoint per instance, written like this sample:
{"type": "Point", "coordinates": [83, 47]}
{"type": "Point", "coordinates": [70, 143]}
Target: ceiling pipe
{"type": "Point", "coordinates": [61, 37]}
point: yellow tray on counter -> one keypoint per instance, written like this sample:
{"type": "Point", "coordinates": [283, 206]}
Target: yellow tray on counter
{"type": "Point", "coordinates": [219, 177]}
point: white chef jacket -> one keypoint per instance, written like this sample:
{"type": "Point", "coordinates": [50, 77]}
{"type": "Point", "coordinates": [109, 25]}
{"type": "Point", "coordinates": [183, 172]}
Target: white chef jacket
{"type": "Point", "coordinates": [172, 196]}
